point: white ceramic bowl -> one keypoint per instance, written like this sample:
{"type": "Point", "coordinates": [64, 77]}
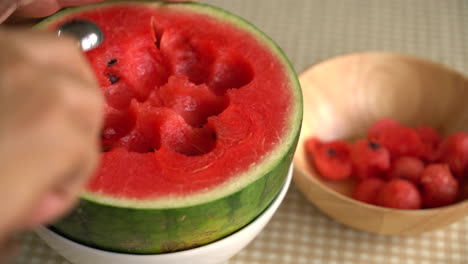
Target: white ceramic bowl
{"type": "Point", "coordinates": [214, 253]}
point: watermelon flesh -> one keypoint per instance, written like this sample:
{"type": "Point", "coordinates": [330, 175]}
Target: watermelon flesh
{"type": "Point", "coordinates": [201, 121]}
{"type": "Point", "coordinates": [174, 87]}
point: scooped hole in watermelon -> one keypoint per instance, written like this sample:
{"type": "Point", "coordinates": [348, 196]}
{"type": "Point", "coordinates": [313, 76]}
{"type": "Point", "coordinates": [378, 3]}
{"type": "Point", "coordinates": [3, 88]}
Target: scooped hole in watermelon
{"type": "Point", "coordinates": [182, 138]}
{"type": "Point", "coordinates": [117, 124]}
{"type": "Point", "coordinates": [191, 57]}
{"type": "Point", "coordinates": [142, 145]}
{"type": "Point", "coordinates": [144, 136]}
{"type": "Point", "coordinates": [143, 69]}
{"type": "Point", "coordinates": [118, 95]}
{"type": "Point", "coordinates": [172, 78]}
{"type": "Point", "coordinates": [230, 71]}
{"type": "Point", "coordinates": [130, 78]}
{"type": "Point", "coordinates": [195, 103]}
{"type": "Point", "coordinates": [198, 141]}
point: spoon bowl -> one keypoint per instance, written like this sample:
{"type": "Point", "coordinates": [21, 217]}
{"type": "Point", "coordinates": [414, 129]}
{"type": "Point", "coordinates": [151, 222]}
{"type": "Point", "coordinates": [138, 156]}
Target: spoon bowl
{"type": "Point", "coordinates": [88, 34]}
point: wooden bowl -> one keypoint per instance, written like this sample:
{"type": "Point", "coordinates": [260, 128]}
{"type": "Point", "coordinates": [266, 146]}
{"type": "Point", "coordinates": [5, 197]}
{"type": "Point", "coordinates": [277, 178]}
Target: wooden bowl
{"type": "Point", "coordinates": [344, 95]}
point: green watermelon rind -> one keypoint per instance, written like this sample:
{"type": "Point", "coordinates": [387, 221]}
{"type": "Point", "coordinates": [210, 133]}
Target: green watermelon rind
{"type": "Point", "coordinates": [151, 227]}
{"type": "Point", "coordinates": [253, 173]}
{"type": "Point", "coordinates": [148, 231]}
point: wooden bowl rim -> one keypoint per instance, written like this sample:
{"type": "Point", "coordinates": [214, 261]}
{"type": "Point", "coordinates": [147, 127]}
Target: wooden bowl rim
{"type": "Point", "coordinates": [392, 54]}
{"type": "Point", "coordinates": [307, 175]}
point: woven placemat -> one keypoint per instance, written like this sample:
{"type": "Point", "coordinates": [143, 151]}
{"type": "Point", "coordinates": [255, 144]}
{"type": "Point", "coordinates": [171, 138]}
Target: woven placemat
{"type": "Point", "coordinates": [311, 31]}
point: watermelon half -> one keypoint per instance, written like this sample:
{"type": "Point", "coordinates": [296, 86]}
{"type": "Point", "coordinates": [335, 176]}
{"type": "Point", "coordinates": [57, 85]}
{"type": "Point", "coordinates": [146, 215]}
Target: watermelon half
{"type": "Point", "coordinates": [202, 119]}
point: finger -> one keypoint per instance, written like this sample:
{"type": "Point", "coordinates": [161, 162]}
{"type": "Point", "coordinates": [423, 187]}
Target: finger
{"type": "Point", "coordinates": [38, 8]}
{"type": "Point", "coordinates": [62, 52]}
{"type": "Point", "coordinates": [50, 207]}
{"type": "Point", "coordinates": [83, 103]}
{"type": "Point", "coordinates": [64, 195]}
{"type": "Point", "coordinates": [58, 145]}
{"type": "Point", "coordinates": [7, 7]}
{"type": "Point", "coordinates": [43, 8]}
{"type": "Point", "coordinates": [84, 118]}
{"type": "Point", "coordinates": [80, 100]}
{"type": "Point", "coordinates": [78, 97]}
{"type": "Point", "coordinates": [55, 148]}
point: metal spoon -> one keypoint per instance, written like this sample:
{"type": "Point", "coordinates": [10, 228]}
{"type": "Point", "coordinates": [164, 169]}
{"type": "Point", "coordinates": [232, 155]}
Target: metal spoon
{"type": "Point", "coordinates": [88, 34]}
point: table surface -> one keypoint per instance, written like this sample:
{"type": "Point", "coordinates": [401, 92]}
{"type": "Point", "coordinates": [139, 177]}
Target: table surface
{"type": "Point", "coordinates": [311, 31]}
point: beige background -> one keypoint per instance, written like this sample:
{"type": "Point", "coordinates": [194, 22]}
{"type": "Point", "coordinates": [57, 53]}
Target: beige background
{"type": "Point", "coordinates": [310, 31]}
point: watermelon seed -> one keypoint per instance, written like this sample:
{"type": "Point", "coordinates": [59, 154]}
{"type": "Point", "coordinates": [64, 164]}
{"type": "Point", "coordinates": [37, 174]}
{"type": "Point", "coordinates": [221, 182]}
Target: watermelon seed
{"type": "Point", "coordinates": [105, 148]}
{"type": "Point", "coordinates": [331, 152]}
{"type": "Point", "coordinates": [112, 62]}
{"type": "Point", "coordinates": [113, 78]}
{"type": "Point", "coordinates": [373, 145]}
{"type": "Point", "coordinates": [213, 135]}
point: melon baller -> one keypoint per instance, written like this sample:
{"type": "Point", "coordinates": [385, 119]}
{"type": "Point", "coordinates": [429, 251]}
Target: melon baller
{"type": "Point", "coordinates": [87, 33]}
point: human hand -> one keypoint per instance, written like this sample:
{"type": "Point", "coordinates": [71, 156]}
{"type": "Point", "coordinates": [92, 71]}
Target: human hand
{"type": "Point", "coordinates": [50, 117]}
{"type": "Point", "coordinates": [37, 8]}
{"type": "Point", "coordinates": [40, 8]}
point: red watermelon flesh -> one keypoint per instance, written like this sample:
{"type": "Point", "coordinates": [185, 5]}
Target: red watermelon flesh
{"type": "Point", "coordinates": [189, 105]}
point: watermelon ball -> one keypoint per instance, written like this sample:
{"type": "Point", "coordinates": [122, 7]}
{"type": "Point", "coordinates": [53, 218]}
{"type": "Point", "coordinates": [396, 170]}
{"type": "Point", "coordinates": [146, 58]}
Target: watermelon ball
{"type": "Point", "coordinates": [462, 190]}
{"type": "Point", "coordinates": [399, 194]}
{"type": "Point", "coordinates": [331, 159]}
{"type": "Point", "coordinates": [379, 127]}
{"type": "Point", "coordinates": [431, 140]}
{"type": "Point", "coordinates": [440, 188]}
{"type": "Point", "coordinates": [407, 167]}
{"type": "Point", "coordinates": [367, 190]}
{"type": "Point", "coordinates": [369, 159]}
{"type": "Point", "coordinates": [398, 139]}
{"type": "Point", "coordinates": [454, 151]}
